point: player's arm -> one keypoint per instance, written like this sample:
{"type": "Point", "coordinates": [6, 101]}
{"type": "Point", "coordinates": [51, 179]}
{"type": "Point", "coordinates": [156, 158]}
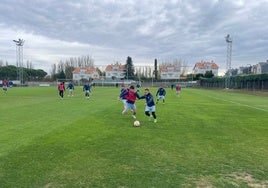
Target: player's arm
{"type": "Point", "coordinates": [124, 93]}
{"type": "Point", "coordinates": [141, 97]}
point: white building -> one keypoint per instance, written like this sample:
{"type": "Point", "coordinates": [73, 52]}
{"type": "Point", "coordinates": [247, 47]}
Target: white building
{"type": "Point", "coordinates": [85, 73]}
{"type": "Point", "coordinates": [170, 71]}
{"type": "Point", "coordinates": [203, 67]}
{"type": "Point", "coordinates": [262, 67]}
{"type": "Point", "coordinates": [115, 71]}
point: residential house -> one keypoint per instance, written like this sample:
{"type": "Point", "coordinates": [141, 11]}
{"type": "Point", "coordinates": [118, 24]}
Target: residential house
{"type": "Point", "coordinates": [85, 73]}
{"type": "Point", "coordinates": [262, 67]}
{"type": "Point", "coordinates": [244, 70]}
{"type": "Point", "coordinates": [115, 71]}
{"type": "Point", "coordinates": [170, 71]}
{"type": "Point", "coordinates": [203, 67]}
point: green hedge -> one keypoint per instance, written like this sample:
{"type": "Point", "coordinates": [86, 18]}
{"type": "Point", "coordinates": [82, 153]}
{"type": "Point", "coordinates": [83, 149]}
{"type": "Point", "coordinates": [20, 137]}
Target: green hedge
{"type": "Point", "coordinates": [252, 82]}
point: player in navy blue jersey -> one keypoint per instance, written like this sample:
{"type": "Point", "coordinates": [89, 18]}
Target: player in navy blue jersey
{"type": "Point", "coordinates": [150, 105]}
{"type": "Point", "coordinates": [161, 93]}
{"type": "Point", "coordinates": [71, 89]}
{"type": "Point", "coordinates": [86, 89]}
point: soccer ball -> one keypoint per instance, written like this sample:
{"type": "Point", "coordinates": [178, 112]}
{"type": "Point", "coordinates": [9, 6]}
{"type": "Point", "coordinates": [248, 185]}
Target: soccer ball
{"type": "Point", "coordinates": [136, 123]}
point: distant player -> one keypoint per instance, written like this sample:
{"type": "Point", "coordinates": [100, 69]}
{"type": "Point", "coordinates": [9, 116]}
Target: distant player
{"type": "Point", "coordinates": [5, 85]}
{"type": "Point", "coordinates": [71, 89]}
{"type": "Point", "coordinates": [131, 95]}
{"type": "Point", "coordinates": [178, 90]}
{"type": "Point", "coordinates": [61, 89]}
{"type": "Point", "coordinates": [86, 89]}
{"type": "Point", "coordinates": [150, 105]}
{"type": "Point", "coordinates": [161, 93]}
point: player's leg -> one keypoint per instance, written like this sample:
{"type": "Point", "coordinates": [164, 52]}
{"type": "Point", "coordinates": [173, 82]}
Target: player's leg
{"type": "Point", "coordinates": [133, 107]}
{"type": "Point", "coordinates": [124, 103]}
{"type": "Point", "coordinates": [158, 97]}
{"type": "Point", "coordinates": [127, 107]}
{"type": "Point", "coordinates": [153, 113]}
{"type": "Point", "coordinates": [61, 94]}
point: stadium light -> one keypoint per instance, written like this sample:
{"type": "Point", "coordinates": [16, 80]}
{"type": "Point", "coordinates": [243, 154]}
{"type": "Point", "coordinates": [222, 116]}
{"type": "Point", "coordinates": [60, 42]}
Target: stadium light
{"type": "Point", "coordinates": [19, 54]}
{"type": "Point", "coordinates": [229, 41]}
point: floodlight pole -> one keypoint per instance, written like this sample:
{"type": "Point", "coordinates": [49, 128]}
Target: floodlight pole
{"type": "Point", "coordinates": [19, 54]}
{"type": "Point", "coordinates": [229, 41]}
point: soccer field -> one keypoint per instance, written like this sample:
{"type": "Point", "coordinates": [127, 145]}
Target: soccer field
{"type": "Point", "coordinates": [203, 138]}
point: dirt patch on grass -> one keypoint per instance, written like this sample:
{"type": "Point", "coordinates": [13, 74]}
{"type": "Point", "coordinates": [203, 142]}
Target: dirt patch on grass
{"type": "Point", "coordinates": [203, 183]}
{"type": "Point", "coordinates": [248, 179]}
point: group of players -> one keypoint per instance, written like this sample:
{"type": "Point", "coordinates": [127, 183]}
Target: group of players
{"type": "Point", "coordinates": [70, 87]}
{"type": "Point", "coordinates": [129, 95]}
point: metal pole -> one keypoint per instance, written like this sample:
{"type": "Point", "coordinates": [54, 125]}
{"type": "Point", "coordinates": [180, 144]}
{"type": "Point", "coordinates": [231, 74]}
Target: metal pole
{"type": "Point", "coordinates": [19, 53]}
{"type": "Point", "coordinates": [228, 61]}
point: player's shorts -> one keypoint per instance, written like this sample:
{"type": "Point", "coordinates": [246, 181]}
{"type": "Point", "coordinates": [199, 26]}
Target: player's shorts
{"type": "Point", "coordinates": [4, 88]}
{"type": "Point", "coordinates": [124, 101]}
{"type": "Point", "coordinates": [150, 108]}
{"type": "Point", "coordinates": [161, 97]}
{"type": "Point", "coordinates": [71, 90]}
{"type": "Point", "coordinates": [130, 106]}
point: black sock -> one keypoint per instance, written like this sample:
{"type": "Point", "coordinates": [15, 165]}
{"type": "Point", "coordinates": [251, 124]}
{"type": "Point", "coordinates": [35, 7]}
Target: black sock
{"type": "Point", "coordinates": [153, 113]}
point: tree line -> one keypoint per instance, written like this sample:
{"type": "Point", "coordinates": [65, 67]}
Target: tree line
{"type": "Point", "coordinates": [10, 72]}
{"type": "Point", "coordinates": [64, 70]}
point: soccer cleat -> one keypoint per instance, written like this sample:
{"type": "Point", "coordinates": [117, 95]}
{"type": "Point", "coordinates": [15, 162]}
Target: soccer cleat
{"type": "Point", "coordinates": [134, 116]}
{"type": "Point", "coordinates": [155, 120]}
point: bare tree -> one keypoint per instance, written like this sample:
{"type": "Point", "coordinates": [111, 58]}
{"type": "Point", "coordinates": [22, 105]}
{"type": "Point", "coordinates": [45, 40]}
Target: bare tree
{"type": "Point", "coordinates": [53, 69]}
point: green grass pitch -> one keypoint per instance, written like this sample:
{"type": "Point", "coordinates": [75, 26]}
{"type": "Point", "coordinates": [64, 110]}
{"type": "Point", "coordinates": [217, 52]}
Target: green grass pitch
{"type": "Point", "coordinates": [203, 138]}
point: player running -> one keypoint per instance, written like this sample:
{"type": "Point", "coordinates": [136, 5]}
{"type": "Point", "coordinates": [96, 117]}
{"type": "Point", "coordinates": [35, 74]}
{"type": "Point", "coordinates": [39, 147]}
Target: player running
{"type": "Point", "coordinates": [178, 90]}
{"type": "Point", "coordinates": [5, 85]}
{"type": "Point", "coordinates": [71, 89]}
{"type": "Point", "coordinates": [86, 89]}
{"type": "Point", "coordinates": [161, 93]}
{"type": "Point", "coordinates": [61, 89]}
{"type": "Point", "coordinates": [150, 105]}
{"type": "Point", "coordinates": [131, 95]}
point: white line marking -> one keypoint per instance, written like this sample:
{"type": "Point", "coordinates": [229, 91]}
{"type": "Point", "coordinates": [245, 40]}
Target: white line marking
{"type": "Point", "coordinates": [240, 104]}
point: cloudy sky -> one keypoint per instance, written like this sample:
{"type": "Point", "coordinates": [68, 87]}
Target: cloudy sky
{"type": "Point", "coordinates": [111, 30]}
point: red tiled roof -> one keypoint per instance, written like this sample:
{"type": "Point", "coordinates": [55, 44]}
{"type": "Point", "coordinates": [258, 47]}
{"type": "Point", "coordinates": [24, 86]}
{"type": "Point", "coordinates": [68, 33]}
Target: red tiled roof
{"type": "Point", "coordinates": [202, 65]}
{"type": "Point", "coordinates": [120, 67]}
{"type": "Point", "coordinates": [87, 70]}
{"type": "Point", "coordinates": [164, 68]}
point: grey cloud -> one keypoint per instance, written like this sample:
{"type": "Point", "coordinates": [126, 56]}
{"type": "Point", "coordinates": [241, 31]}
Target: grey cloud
{"type": "Point", "coordinates": [190, 29]}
